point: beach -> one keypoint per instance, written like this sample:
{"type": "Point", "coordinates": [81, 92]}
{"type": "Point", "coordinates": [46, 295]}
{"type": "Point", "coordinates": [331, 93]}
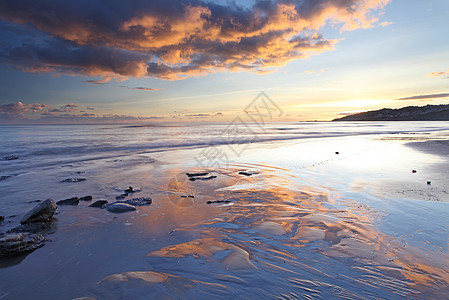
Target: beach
{"type": "Point", "coordinates": [290, 210]}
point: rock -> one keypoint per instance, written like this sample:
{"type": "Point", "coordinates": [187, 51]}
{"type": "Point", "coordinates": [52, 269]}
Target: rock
{"type": "Point", "coordinates": [137, 201]}
{"type": "Point", "coordinates": [41, 212]}
{"type": "Point", "coordinates": [4, 177]}
{"type": "Point", "coordinates": [122, 196]}
{"type": "Point", "coordinates": [219, 201]}
{"type": "Point", "coordinates": [86, 198]}
{"type": "Point", "coordinates": [76, 179]}
{"type": "Point", "coordinates": [248, 173]}
{"type": "Point", "coordinates": [414, 171]}
{"type": "Point", "coordinates": [69, 201]}
{"type": "Point", "coordinates": [129, 190]}
{"type": "Point", "coordinates": [120, 207]}
{"type": "Point", "coordinates": [202, 178]}
{"type": "Point", "coordinates": [20, 243]}
{"type": "Point", "coordinates": [2, 218]}
{"type": "Point", "coordinates": [99, 203]}
{"type": "Point", "coordinates": [336, 152]}
{"type": "Point", "coordinates": [429, 182]}
{"type": "Point", "coordinates": [34, 201]}
{"type": "Point", "coordinates": [10, 157]}
{"type": "Point", "coordinates": [196, 174]}
{"type": "Point", "coordinates": [187, 196]}
{"type": "Point", "coordinates": [29, 228]}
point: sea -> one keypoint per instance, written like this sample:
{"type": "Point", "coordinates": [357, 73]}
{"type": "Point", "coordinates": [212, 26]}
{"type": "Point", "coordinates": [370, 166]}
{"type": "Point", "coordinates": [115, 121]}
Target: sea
{"type": "Point", "coordinates": [308, 210]}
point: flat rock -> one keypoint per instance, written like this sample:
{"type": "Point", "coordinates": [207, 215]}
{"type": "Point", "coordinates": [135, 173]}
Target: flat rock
{"type": "Point", "coordinates": [99, 203]}
{"type": "Point", "coordinates": [122, 196]}
{"type": "Point", "coordinates": [41, 212]}
{"type": "Point", "coordinates": [218, 201]}
{"type": "Point", "coordinates": [86, 198]}
{"type": "Point", "coordinates": [29, 228]}
{"type": "Point", "coordinates": [20, 243]}
{"type": "Point", "coordinates": [69, 201]}
{"type": "Point", "coordinates": [202, 178]}
{"type": "Point", "coordinates": [120, 207]}
{"type": "Point", "coordinates": [4, 177]}
{"type": "Point", "coordinates": [10, 157]}
{"type": "Point", "coordinates": [137, 201]}
{"type": "Point", "coordinates": [197, 174]}
{"type": "Point", "coordinates": [248, 173]}
{"type": "Point", "coordinates": [76, 179]}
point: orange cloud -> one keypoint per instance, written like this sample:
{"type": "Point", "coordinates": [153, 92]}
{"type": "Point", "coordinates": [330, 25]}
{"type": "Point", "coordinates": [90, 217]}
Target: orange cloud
{"type": "Point", "coordinates": [172, 39]}
{"type": "Point", "coordinates": [438, 74]}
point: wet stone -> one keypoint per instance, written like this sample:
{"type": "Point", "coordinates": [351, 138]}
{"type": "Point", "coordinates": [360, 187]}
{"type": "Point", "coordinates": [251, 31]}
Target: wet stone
{"type": "Point", "coordinates": [41, 212]}
{"type": "Point", "coordinates": [20, 243]}
{"type": "Point", "coordinates": [69, 201]}
{"type": "Point", "coordinates": [202, 178]}
{"type": "Point", "coordinates": [76, 179]}
{"type": "Point", "coordinates": [99, 203]}
{"type": "Point", "coordinates": [11, 157]}
{"type": "Point", "coordinates": [137, 201]}
{"type": "Point", "coordinates": [197, 174]}
{"type": "Point", "coordinates": [120, 207]}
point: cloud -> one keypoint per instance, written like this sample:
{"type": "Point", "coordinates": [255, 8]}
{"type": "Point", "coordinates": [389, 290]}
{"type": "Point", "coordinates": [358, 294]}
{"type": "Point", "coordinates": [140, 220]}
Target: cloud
{"type": "Point", "coordinates": [199, 115]}
{"type": "Point", "coordinates": [69, 106]}
{"type": "Point", "coordinates": [14, 113]}
{"type": "Point", "coordinates": [19, 108]}
{"type": "Point", "coordinates": [140, 88]}
{"type": "Point", "coordinates": [64, 108]}
{"type": "Point", "coordinates": [90, 108]}
{"type": "Point", "coordinates": [438, 74]}
{"type": "Point", "coordinates": [171, 39]}
{"type": "Point", "coordinates": [202, 115]}
{"type": "Point", "coordinates": [431, 96]}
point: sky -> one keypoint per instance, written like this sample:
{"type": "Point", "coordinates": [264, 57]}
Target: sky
{"type": "Point", "coordinates": [92, 61]}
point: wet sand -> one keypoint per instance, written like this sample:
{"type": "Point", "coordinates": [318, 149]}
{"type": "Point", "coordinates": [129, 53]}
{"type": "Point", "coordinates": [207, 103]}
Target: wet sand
{"type": "Point", "coordinates": [309, 224]}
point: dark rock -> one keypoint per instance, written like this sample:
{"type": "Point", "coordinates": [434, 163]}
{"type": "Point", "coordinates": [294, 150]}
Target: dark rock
{"type": "Point", "coordinates": [202, 178]}
{"type": "Point", "coordinates": [122, 196]}
{"type": "Point", "coordinates": [34, 201]}
{"type": "Point", "coordinates": [218, 201]}
{"type": "Point", "coordinates": [10, 157]}
{"type": "Point", "coordinates": [120, 207]}
{"type": "Point", "coordinates": [20, 243]}
{"type": "Point", "coordinates": [4, 177]}
{"type": "Point", "coordinates": [86, 198]}
{"type": "Point", "coordinates": [337, 152]}
{"type": "Point", "coordinates": [69, 201]}
{"type": "Point", "coordinates": [248, 173]}
{"type": "Point", "coordinates": [187, 196]}
{"type": "Point", "coordinates": [2, 218]}
{"type": "Point", "coordinates": [99, 203]}
{"type": "Point", "coordinates": [129, 190]}
{"type": "Point", "coordinates": [76, 179]}
{"type": "Point", "coordinates": [137, 201]}
{"type": "Point", "coordinates": [414, 171]}
{"type": "Point", "coordinates": [41, 212]}
{"type": "Point", "coordinates": [197, 174]}
{"type": "Point", "coordinates": [429, 182]}
{"type": "Point", "coordinates": [29, 227]}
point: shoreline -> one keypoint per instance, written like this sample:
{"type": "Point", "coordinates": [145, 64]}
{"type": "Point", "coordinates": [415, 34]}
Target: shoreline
{"type": "Point", "coordinates": [317, 217]}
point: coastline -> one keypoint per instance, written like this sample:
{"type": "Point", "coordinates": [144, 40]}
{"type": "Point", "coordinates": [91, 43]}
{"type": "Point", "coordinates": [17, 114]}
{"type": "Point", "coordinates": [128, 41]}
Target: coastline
{"type": "Point", "coordinates": [342, 221]}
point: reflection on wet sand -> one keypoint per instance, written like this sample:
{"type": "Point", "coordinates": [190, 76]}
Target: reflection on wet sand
{"type": "Point", "coordinates": [277, 239]}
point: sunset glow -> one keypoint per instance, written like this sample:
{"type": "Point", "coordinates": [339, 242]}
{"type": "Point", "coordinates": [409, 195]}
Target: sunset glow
{"type": "Point", "coordinates": [199, 61]}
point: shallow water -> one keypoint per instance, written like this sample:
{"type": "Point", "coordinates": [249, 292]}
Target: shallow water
{"type": "Point", "coordinates": [310, 224]}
